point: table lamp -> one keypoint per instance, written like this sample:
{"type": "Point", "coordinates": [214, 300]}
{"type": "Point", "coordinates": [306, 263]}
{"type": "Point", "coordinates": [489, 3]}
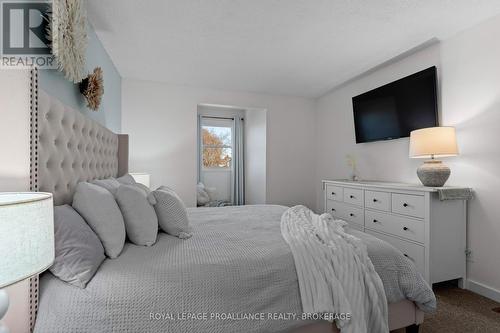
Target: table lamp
{"type": "Point", "coordinates": [26, 239]}
{"type": "Point", "coordinates": [430, 143]}
{"type": "Point", "coordinates": [141, 178]}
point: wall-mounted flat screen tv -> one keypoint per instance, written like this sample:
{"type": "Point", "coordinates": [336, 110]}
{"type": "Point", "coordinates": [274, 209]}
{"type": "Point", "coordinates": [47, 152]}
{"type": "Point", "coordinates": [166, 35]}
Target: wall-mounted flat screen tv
{"type": "Point", "coordinates": [395, 109]}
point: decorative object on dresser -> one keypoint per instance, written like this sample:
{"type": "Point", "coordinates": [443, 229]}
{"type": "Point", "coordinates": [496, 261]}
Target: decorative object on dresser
{"type": "Point", "coordinates": [430, 143]}
{"type": "Point", "coordinates": [26, 239]}
{"type": "Point", "coordinates": [67, 32]}
{"type": "Point", "coordinates": [429, 228]}
{"type": "Point", "coordinates": [352, 164]}
{"type": "Point", "coordinates": [92, 88]}
{"type": "Point", "coordinates": [142, 178]}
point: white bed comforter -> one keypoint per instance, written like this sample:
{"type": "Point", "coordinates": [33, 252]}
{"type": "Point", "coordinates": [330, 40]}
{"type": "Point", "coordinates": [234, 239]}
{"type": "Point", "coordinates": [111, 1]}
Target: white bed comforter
{"type": "Point", "coordinates": [335, 274]}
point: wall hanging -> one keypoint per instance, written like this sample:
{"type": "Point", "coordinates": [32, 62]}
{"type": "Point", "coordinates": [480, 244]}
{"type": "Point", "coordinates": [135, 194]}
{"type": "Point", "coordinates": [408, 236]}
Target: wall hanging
{"type": "Point", "coordinates": [92, 87]}
{"type": "Point", "coordinates": [68, 33]}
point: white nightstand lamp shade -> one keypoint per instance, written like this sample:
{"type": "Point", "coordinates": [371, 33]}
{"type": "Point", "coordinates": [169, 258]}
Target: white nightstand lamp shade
{"type": "Point", "coordinates": [26, 239]}
{"type": "Point", "coordinates": [430, 143]}
{"type": "Point", "coordinates": [142, 178]}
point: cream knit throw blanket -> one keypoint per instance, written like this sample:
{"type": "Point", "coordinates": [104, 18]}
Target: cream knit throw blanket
{"type": "Point", "coordinates": [334, 272]}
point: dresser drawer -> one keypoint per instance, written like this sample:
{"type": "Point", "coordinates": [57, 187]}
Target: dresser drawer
{"type": "Point", "coordinates": [334, 208]}
{"type": "Point", "coordinates": [406, 204]}
{"type": "Point", "coordinates": [378, 200]}
{"type": "Point", "coordinates": [414, 252]}
{"type": "Point", "coordinates": [345, 212]}
{"type": "Point", "coordinates": [334, 192]}
{"type": "Point", "coordinates": [396, 225]}
{"type": "Point", "coordinates": [353, 214]}
{"type": "Point", "coordinates": [353, 196]}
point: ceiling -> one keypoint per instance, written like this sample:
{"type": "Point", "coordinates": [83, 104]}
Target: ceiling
{"type": "Point", "coordinates": [290, 47]}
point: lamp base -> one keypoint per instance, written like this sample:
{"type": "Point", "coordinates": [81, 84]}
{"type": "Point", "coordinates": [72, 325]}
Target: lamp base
{"type": "Point", "coordinates": [4, 305]}
{"type": "Point", "coordinates": [433, 173]}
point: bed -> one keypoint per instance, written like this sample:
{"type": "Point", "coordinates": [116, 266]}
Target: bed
{"type": "Point", "coordinates": [236, 274]}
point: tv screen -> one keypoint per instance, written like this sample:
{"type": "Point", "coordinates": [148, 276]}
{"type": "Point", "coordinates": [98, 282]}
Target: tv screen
{"type": "Point", "coordinates": [394, 110]}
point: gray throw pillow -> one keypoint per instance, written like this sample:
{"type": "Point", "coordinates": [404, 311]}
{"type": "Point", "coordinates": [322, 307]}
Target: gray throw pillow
{"type": "Point", "coordinates": [140, 218]}
{"type": "Point", "coordinates": [143, 187]}
{"type": "Point", "coordinates": [78, 251]}
{"type": "Point", "coordinates": [110, 184]}
{"type": "Point", "coordinates": [165, 188]}
{"type": "Point", "coordinates": [100, 210]}
{"type": "Point", "coordinates": [126, 179]}
{"type": "Point", "coordinates": [172, 214]}
{"type": "Point", "coordinates": [149, 193]}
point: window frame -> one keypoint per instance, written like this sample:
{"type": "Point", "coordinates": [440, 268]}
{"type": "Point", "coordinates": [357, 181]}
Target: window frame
{"type": "Point", "coordinates": [203, 124]}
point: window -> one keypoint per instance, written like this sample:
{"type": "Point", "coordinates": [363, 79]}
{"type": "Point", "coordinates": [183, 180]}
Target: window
{"type": "Point", "coordinates": [217, 145]}
{"type": "Point", "coordinates": [220, 155]}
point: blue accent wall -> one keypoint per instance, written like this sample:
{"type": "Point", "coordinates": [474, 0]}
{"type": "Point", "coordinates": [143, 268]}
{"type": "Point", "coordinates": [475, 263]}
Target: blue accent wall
{"type": "Point", "coordinates": [109, 113]}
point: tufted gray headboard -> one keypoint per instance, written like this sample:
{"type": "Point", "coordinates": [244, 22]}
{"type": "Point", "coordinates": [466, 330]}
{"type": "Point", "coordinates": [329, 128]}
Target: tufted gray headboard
{"type": "Point", "coordinates": [72, 148]}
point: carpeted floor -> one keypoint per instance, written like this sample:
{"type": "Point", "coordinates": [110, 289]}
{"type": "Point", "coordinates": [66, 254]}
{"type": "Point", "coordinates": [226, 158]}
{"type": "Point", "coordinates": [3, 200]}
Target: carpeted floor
{"type": "Point", "coordinates": [461, 311]}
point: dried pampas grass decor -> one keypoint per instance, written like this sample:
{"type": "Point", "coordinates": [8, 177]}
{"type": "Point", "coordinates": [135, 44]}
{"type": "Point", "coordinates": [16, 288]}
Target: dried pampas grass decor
{"type": "Point", "coordinates": [68, 32]}
{"type": "Point", "coordinates": [92, 87]}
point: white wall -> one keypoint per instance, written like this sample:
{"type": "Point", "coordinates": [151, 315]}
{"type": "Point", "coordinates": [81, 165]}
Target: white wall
{"type": "Point", "coordinates": [471, 102]}
{"type": "Point", "coordinates": [255, 156]}
{"type": "Point", "coordinates": [469, 85]}
{"type": "Point", "coordinates": [14, 128]}
{"type": "Point", "coordinates": [161, 121]}
{"type": "Point", "coordinates": [386, 160]}
{"type": "Point", "coordinates": [15, 171]}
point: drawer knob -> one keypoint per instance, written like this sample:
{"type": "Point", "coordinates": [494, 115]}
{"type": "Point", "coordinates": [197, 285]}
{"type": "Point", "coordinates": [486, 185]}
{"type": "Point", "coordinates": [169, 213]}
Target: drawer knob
{"type": "Point", "coordinates": [351, 214]}
{"type": "Point", "coordinates": [405, 228]}
{"type": "Point", "coordinates": [375, 221]}
{"type": "Point", "coordinates": [375, 200]}
{"type": "Point", "coordinates": [405, 205]}
{"type": "Point", "coordinates": [333, 193]}
{"type": "Point", "coordinates": [351, 196]}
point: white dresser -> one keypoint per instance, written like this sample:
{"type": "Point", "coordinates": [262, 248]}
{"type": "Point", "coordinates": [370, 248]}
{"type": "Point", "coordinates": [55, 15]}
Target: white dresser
{"type": "Point", "coordinates": [428, 231]}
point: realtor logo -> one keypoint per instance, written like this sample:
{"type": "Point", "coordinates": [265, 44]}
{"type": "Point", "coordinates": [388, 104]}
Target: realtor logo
{"type": "Point", "coordinates": [24, 41]}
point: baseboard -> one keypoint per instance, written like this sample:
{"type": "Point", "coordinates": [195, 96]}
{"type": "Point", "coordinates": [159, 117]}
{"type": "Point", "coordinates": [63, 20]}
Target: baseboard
{"type": "Point", "coordinates": [483, 290]}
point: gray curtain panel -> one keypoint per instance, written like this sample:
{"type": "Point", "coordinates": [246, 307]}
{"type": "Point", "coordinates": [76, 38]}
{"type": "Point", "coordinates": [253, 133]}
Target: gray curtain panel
{"type": "Point", "coordinates": [238, 174]}
{"type": "Point", "coordinates": [199, 147]}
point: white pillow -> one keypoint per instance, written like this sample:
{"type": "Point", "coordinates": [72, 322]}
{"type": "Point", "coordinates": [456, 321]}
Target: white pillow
{"type": "Point", "coordinates": [202, 196]}
{"type": "Point", "coordinates": [172, 214]}
{"type": "Point", "coordinates": [140, 218]}
{"type": "Point", "coordinates": [100, 210]}
{"type": "Point", "coordinates": [212, 193]}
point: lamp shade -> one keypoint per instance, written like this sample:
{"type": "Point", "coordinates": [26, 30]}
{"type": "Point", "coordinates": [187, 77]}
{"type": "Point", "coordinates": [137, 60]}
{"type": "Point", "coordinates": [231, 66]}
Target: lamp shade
{"type": "Point", "coordinates": [142, 178]}
{"type": "Point", "coordinates": [26, 235]}
{"type": "Point", "coordinates": [433, 142]}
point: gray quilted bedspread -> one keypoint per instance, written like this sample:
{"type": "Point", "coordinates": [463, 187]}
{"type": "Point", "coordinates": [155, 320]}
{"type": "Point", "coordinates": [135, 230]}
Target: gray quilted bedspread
{"type": "Point", "coordinates": [236, 274]}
